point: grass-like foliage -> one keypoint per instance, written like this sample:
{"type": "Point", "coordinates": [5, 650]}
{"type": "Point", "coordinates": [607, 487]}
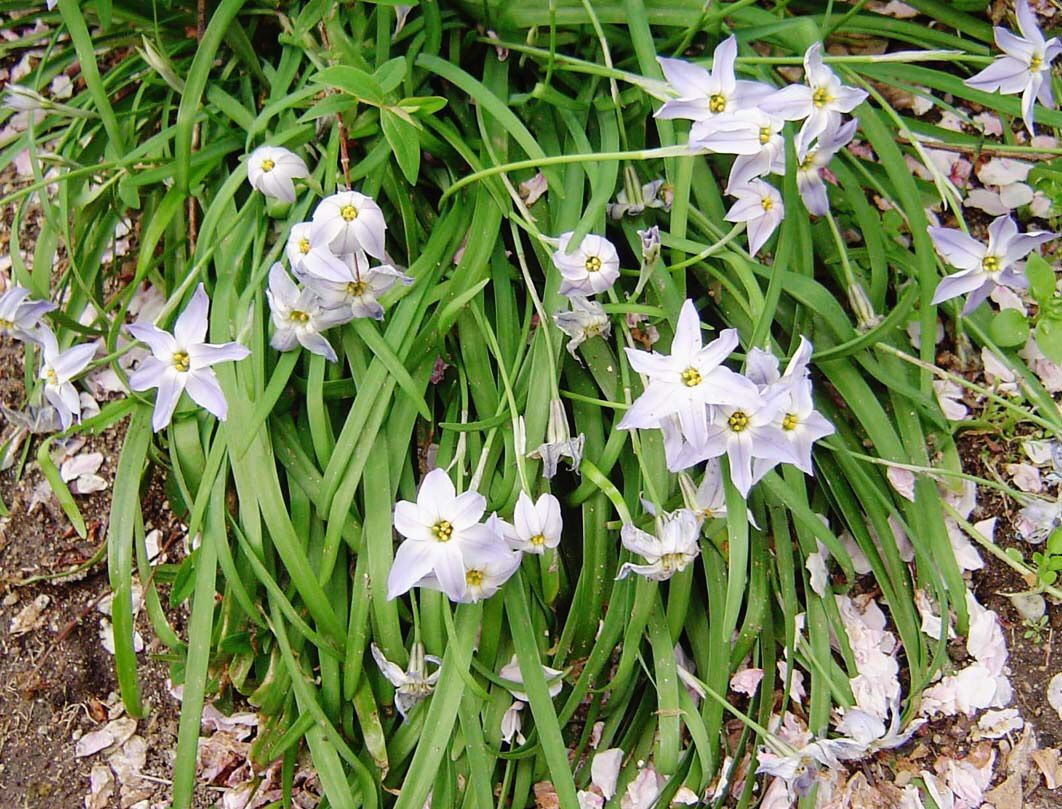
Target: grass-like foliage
{"type": "Point", "coordinates": [454, 117]}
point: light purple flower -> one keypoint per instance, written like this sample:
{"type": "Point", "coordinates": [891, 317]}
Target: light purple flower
{"type": "Point", "coordinates": [439, 528]}
{"type": "Point", "coordinates": [760, 206]}
{"type": "Point", "coordinates": [797, 418]}
{"type": "Point", "coordinates": [536, 524]}
{"type": "Point", "coordinates": [348, 284]}
{"type": "Point", "coordinates": [1024, 67]}
{"type": "Point", "coordinates": [298, 316]}
{"type": "Point", "coordinates": [181, 362]}
{"type": "Point", "coordinates": [745, 434]}
{"type": "Point", "coordinates": [671, 551]}
{"type": "Point", "coordinates": [683, 383]}
{"type": "Point", "coordinates": [58, 368]}
{"type": "Point", "coordinates": [272, 170]}
{"type": "Point", "coordinates": [819, 103]}
{"type": "Point", "coordinates": [348, 221]}
{"type": "Point", "coordinates": [983, 267]}
{"type": "Point", "coordinates": [20, 316]}
{"type": "Point", "coordinates": [590, 268]}
{"type": "Point", "coordinates": [559, 442]}
{"type": "Point", "coordinates": [813, 158]}
{"type": "Point", "coordinates": [753, 135]}
{"type": "Point", "coordinates": [300, 243]}
{"type": "Point", "coordinates": [702, 94]}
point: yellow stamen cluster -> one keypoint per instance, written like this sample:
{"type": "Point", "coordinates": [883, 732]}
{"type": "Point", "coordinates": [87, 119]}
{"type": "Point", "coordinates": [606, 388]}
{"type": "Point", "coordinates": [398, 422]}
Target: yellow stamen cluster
{"type": "Point", "coordinates": [592, 264]}
{"type": "Point", "coordinates": [6, 325]}
{"type": "Point", "coordinates": [673, 562]}
{"type": "Point", "coordinates": [356, 289]}
{"type": "Point", "coordinates": [474, 578]}
{"type": "Point", "coordinates": [821, 97]}
{"type": "Point", "coordinates": [442, 531]}
{"type": "Point", "coordinates": [691, 377]}
{"type": "Point", "coordinates": [1036, 62]}
{"type": "Point", "coordinates": [765, 135]}
{"type": "Point", "coordinates": [304, 246]}
{"type": "Point", "coordinates": [790, 421]}
{"type": "Point", "coordinates": [808, 162]}
{"type": "Point", "coordinates": [990, 264]}
{"type": "Point", "coordinates": [268, 165]}
{"type": "Point", "coordinates": [717, 103]}
{"type": "Point", "coordinates": [766, 203]}
{"type": "Point", "coordinates": [53, 379]}
{"type": "Point", "coordinates": [738, 421]}
{"type": "Point", "coordinates": [349, 213]}
{"type": "Point", "coordinates": [181, 361]}
{"type": "Point", "coordinates": [537, 540]}
{"type": "Point", "coordinates": [299, 317]}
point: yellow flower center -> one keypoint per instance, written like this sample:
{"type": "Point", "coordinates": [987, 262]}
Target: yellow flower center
{"type": "Point", "coordinates": [592, 264]}
{"type": "Point", "coordinates": [537, 540]}
{"type": "Point", "coordinates": [51, 376]}
{"type": "Point", "coordinates": [691, 377]}
{"type": "Point", "coordinates": [181, 361]}
{"type": "Point", "coordinates": [295, 316]}
{"type": "Point", "coordinates": [474, 578]}
{"type": "Point", "coordinates": [738, 421]}
{"type": "Point", "coordinates": [1036, 62]}
{"type": "Point", "coordinates": [765, 135]}
{"type": "Point", "coordinates": [442, 531]}
{"type": "Point", "coordinates": [349, 213]}
{"type": "Point", "coordinates": [990, 264]}
{"type": "Point", "coordinates": [304, 246]}
{"type": "Point", "coordinates": [673, 562]}
{"type": "Point", "coordinates": [268, 165]}
{"type": "Point", "coordinates": [821, 97]}
{"type": "Point", "coordinates": [356, 289]}
{"type": "Point", "coordinates": [6, 325]}
{"type": "Point", "coordinates": [717, 103]}
{"type": "Point", "coordinates": [766, 203]}
{"type": "Point", "coordinates": [808, 162]}
{"type": "Point", "coordinates": [790, 421]}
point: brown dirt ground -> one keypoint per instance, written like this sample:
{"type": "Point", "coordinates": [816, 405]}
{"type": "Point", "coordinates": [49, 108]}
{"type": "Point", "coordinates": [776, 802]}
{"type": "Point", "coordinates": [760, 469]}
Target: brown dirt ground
{"type": "Point", "coordinates": [55, 681]}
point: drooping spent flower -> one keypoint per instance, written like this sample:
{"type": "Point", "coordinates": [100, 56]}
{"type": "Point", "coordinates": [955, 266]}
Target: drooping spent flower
{"type": "Point", "coordinates": [670, 551]}
{"type": "Point", "coordinates": [688, 380]}
{"type": "Point", "coordinates": [590, 268]}
{"type": "Point", "coordinates": [702, 94]}
{"type": "Point", "coordinates": [58, 368]}
{"type": "Point", "coordinates": [813, 158]}
{"type": "Point", "coordinates": [559, 442]}
{"type": "Point", "coordinates": [348, 284]}
{"type": "Point", "coordinates": [1024, 67]}
{"type": "Point", "coordinates": [273, 169]}
{"type": "Point", "coordinates": [983, 267]}
{"type": "Point", "coordinates": [20, 316]}
{"type": "Point", "coordinates": [438, 528]}
{"type": "Point", "coordinates": [760, 207]}
{"type": "Point", "coordinates": [413, 684]}
{"type": "Point", "coordinates": [585, 320]}
{"type": "Point", "coordinates": [654, 194]}
{"type": "Point", "coordinates": [511, 672]}
{"type": "Point", "coordinates": [181, 362]}
{"type": "Point", "coordinates": [348, 222]}
{"type": "Point", "coordinates": [536, 524]}
{"type": "Point", "coordinates": [819, 103]}
{"type": "Point", "coordinates": [298, 316]}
